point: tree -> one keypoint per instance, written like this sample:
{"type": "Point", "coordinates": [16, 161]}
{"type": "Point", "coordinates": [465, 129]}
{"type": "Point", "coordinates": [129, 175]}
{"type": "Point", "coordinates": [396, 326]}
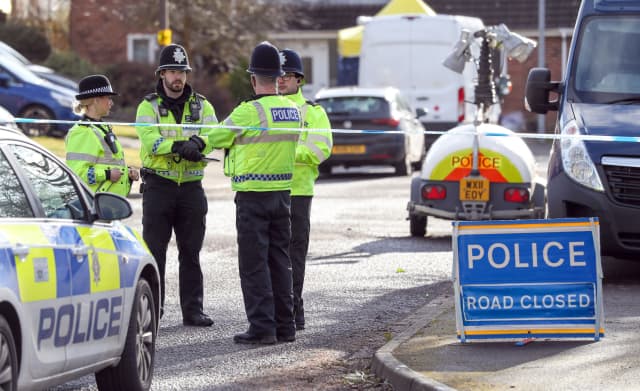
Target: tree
{"type": "Point", "coordinates": [217, 34]}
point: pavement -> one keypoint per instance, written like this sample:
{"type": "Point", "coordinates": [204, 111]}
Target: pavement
{"type": "Point", "coordinates": [428, 356]}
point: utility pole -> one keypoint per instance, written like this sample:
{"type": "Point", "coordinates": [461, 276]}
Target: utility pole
{"type": "Point", "coordinates": [164, 35]}
{"type": "Point", "coordinates": [541, 53]}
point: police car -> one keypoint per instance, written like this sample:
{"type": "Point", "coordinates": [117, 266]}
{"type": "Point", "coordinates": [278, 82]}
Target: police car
{"type": "Point", "coordinates": [79, 290]}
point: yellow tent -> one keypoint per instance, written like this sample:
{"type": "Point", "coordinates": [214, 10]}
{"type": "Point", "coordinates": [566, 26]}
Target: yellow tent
{"type": "Point", "coordinates": [350, 38]}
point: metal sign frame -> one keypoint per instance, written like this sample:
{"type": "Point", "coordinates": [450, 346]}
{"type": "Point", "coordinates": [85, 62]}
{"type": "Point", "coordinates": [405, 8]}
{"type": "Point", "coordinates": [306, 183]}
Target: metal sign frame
{"type": "Point", "coordinates": [534, 278]}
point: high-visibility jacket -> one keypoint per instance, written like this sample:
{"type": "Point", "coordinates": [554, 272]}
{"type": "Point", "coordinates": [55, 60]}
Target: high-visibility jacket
{"type": "Point", "coordinates": [156, 141]}
{"type": "Point", "coordinates": [89, 154]}
{"type": "Point", "coordinates": [260, 159]}
{"type": "Point", "coordinates": [314, 146]}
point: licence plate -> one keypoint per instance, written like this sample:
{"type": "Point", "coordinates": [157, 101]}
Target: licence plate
{"type": "Point", "coordinates": [474, 189]}
{"type": "Point", "coordinates": [349, 149]}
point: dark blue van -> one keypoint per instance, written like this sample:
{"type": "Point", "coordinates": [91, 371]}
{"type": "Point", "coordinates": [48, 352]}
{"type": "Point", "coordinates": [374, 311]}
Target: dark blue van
{"type": "Point", "coordinates": [600, 96]}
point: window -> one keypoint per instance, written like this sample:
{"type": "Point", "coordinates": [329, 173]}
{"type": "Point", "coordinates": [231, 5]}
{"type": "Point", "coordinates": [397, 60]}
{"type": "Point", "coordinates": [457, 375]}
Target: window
{"type": "Point", "coordinates": [13, 200]}
{"type": "Point", "coordinates": [52, 185]}
{"type": "Point", "coordinates": [141, 48]}
{"type": "Point", "coordinates": [307, 65]}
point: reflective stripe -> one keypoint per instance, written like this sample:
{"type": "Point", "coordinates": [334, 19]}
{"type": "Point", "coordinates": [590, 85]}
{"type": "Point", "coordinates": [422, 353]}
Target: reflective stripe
{"type": "Point", "coordinates": [210, 118]}
{"type": "Point", "coordinates": [261, 177]}
{"type": "Point", "coordinates": [312, 138]}
{"type": "Point", "coordinates": [264, 123]}
{"type": "Point", "coordinates": [265, 137]}
{"type": "Point", "coordinates": [185, 174]}
{"type": "Point", "coordinates": [229, 122]}
{"type": "Point", "coordinates": [168, 132]}
{"type": "Point", "coordinates": [84, 157]}
{"type": "Point", "coordinates": [145, 119]}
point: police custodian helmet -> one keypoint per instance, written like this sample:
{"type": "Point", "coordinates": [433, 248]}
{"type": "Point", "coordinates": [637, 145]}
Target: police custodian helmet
{"type": "Point", "coordinates": [266, 60]}
{"type": "Point", "coordinates": [173, 57]}
{"type": "Point", "coordinates": [292, 62]}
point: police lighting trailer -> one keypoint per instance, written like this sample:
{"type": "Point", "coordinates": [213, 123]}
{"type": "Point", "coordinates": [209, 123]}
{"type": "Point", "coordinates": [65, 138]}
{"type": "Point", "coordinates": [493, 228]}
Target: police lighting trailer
{"type": "Point", "coordinates": [528, 279]}
{"type": "Point", "coordinates": [479, 171]}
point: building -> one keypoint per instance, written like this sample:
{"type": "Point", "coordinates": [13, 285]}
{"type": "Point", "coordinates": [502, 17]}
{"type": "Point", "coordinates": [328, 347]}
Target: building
{"type": "Point", "coordinates": [315, 36]}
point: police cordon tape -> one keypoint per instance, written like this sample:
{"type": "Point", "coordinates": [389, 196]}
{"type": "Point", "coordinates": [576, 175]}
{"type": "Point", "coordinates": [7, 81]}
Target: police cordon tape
{"type": "Point", "coordinates": [534, 136]}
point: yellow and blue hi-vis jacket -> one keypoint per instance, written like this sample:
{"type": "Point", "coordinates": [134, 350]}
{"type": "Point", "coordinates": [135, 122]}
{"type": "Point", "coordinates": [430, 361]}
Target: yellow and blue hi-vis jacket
{"type": "Point", "coordinates": [156, 141]}
{"type": "Point", "coordinates": [314, 146]}
{"type": "Point", "coordinates": [89, 155]}
{"type": "Point", "coordinates": [260, 159]}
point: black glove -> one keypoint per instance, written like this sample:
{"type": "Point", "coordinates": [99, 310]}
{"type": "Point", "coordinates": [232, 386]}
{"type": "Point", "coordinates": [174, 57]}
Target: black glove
{"type": "Point", "coordinates": [176, 147]}
{"type": "Point", "coordinates": [199, 142]}
{"type": "Point", "coordinates": [190, 151]}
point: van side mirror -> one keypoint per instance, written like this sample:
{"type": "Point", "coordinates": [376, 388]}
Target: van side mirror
{"type": "Point", "coordinates": [537, 90]}
{"type": "Point", "coordinates": [421, 111]}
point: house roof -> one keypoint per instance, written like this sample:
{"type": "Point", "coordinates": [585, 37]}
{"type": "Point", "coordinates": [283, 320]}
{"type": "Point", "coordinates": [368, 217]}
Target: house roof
{"type": "Point", "coordinates": [516, 14]}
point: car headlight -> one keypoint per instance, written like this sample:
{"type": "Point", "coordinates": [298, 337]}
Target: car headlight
{"type": "Point", "coordinates": [63, 100]}
{"type": "Point", "coordinates": [575, 158]}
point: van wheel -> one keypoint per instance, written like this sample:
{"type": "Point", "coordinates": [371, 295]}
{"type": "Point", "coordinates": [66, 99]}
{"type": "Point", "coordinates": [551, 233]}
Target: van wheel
{"type": "Point", "coordinates": [135, 369]}
{"type": "Point", "coordinates": [418, 225]}
{"type": "Point", "coordinates": [8, 358]}
{"type": "Point", "coordinates": [36, 112]}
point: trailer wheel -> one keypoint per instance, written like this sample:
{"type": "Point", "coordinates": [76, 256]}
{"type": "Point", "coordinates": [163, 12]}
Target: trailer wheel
{"type": "Point", "coordinates": [418, 225]}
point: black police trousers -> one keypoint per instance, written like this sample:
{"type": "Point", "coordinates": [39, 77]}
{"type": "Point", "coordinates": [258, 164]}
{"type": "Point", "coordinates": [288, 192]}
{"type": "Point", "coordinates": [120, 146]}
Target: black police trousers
{"type": "Point", "coordinates": [264, 231]}
{"type": "Point", "coordinates": [167, 207]}
{"type": "Point", "coordinates": [300, 228]}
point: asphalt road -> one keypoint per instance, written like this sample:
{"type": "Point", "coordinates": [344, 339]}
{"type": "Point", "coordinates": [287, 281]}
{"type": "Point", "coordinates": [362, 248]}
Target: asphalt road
{"type": "Point", "coordinates": [364, 274]}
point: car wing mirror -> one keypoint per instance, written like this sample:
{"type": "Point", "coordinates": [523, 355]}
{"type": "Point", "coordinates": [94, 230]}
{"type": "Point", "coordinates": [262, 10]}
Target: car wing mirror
{"type": "Point", "coordinates": [109, 206]}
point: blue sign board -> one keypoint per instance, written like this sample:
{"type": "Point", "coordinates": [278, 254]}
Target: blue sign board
{"type": "Point", "coordinates": [528, 278]}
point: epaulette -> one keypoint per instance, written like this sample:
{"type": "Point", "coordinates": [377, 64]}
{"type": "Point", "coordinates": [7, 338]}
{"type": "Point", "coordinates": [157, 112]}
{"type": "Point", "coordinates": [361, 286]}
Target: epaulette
{"type": "Point", "coordinates": [151, 96]}
{"type": "Point", "coordinates": [200, 96]}
{"type": "Point", "coordinates": [311, 102]}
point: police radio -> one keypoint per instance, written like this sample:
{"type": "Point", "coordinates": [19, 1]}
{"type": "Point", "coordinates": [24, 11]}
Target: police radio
{"type": "Point", "coordinates": [194, 108]}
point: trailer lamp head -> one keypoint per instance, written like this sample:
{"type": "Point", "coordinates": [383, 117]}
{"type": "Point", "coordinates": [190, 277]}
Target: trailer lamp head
{"type": "Point", "coordinates": [515, 45]}
{"type": "Point", "coordinates": [434, 192]}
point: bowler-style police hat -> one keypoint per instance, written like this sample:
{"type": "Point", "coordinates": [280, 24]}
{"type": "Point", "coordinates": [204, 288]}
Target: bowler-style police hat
{"type": "Point", "coordinates": [292, 62]}
{"type": "Point", "coordinates": [173, 57]}
{"type": "Point", "coordinates": [266, 60]}
{"type": "Point", "coordinates": [94, 85]}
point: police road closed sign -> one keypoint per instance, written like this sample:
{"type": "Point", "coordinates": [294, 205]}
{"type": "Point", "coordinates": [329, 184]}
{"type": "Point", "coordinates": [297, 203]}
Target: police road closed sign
{"type": "Point", "coordinates": [528, 279]}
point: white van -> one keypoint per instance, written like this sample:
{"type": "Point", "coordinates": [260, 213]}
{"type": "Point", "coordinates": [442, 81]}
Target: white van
{"type": "Point", "coordinates": [407, 51]}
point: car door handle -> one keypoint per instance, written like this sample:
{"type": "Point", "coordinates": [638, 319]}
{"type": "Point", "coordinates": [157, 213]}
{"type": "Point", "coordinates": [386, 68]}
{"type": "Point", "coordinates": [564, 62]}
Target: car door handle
{"type": "Point", "coordinates": [80, 252]}
{"type": "Point", "coordinates": [21, 251]}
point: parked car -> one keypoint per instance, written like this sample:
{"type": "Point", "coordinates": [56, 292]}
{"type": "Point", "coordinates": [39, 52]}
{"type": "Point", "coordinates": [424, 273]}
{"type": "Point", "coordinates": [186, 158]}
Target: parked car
{"type": "Point", "coordinates": [40, 70]}
{"type": "Point", "coordinates": [599, 97]}
{"type": "Point", "coordinates": [385, 130]}
{"type": "Point", "coordinates": [79, 291]}
{"type": "Point", "coordinates": [25, 95]}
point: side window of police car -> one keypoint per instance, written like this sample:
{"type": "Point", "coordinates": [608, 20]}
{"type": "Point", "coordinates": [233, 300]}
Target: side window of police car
{"type": "Point", "coordinates": [52, 185]}
{"type": "Point", "coordinates": [13, 200]}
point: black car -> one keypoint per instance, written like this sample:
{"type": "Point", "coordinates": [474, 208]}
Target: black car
{"type": "Point", "coordinates": [372, 126]}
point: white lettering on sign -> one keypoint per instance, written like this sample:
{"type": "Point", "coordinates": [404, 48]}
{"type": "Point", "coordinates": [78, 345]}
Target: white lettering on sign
{"type": "Point", "coordinates": [559, 301]}
{"type": "Point", "coordinates": [500, 255]}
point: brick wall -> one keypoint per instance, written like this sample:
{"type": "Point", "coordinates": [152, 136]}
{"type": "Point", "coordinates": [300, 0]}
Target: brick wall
{"type": "Point", "coordinates": [98, 30]}
{"type": "Point", "coordinates": [519, 72]}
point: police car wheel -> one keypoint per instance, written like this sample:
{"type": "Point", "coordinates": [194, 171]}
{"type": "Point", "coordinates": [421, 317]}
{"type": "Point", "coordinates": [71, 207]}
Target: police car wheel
{"type": "Point", "coordinates": [8, 358]}
{"type": "Point", "coordinates": [135, 369]}
{"type": "Point", "coordinates": [418, 225]}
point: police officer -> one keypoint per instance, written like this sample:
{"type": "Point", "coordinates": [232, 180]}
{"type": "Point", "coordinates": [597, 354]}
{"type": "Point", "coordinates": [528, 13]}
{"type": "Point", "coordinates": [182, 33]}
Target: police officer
{"type": "Point", "coordinates": [314, 147]}
{"type": "Point", "coordinates": [92, 149]}
{"type": "Point", "coordinates": [173, 167]}
{"type": "Point", "coordinates": [260, 164]}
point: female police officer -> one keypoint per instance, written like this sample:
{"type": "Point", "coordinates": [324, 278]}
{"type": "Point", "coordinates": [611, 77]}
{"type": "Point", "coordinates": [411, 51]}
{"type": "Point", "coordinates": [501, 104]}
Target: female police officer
{"type": "Point", "coordinates": [93, 151]}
